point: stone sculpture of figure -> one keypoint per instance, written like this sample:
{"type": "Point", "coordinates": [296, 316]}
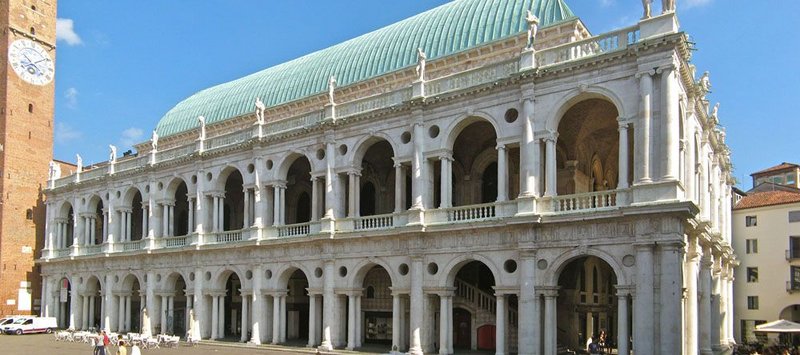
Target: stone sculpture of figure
{"type": "Point", "coordinates": [55, 170]}
{"type": "Point", "coordinates": [79, 162]}
{"type": "Point", "coordinates": [112, 154]}
{"type": "Point", "coordinates": [331, 87]}
{"type": "Point", "coordinates": [646, 4]}
{"type": "Point", "coordinates": [693, 70]}
{"type": "Point", "coordinates": [260, 107]}
{"type": "Point", "coordinates": [705, 83]}
{"type": "Point", "coordinates": [533, 27]}
{"type": "Point", "coordinates": [154, 140]}
{"type": "Point", "coordinates": [667, 6]}
{"type": "Point", "coordinates": [202, 121]}
{"type": "Point", "coordinates": [421, 59]}
{"type": "Point", "coordinates": [715, 112]}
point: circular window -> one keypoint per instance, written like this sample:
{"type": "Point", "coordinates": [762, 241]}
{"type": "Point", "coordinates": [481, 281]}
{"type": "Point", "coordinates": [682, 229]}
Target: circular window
{"type": "Point", "coordinates": [628, 260]}
{"type": "Point", "coordinates": [318, 272]}
{"type": "Point", "coordinates": [510, 266]}
{"type": "Point", "coordinates": [269, 164]}
{"type": "Point", "coordinates": [342, 271]}
{"type": "Point", "coordinates": [320, 154]}
{"type": "Point", "coordinates": [403, 269]}
{"type": "Point", "coordinates": [160, 186]}
{"type": "Point", "coordinates": [158, 277]}
{"type": "Point", "coordinates": [541, 264]}
{"type": "Point", "coordinates": [268, 274]}
{"type": "Point", "coordinates": [248, 274]}
{"type": "Point", "coordinates": [405, 137]}
{"type": "Point", "coordinates": [147, 188]}
{"type": "Point", "coordinates": [512, 115]}
{"type": "Point", "coordinates": [83, 201]}
{"type": "Point", "coordinates": [208, 275]}
{"type": "Point", "coordinates": [251, 168]}
{"type": "Point", "coordinates": [106, 196]}
{"type": "Point", "coordinates": [209, 176]}
{"type": "Point", "coordinates": [343, 149]}
{"type": "Point", "coordinates": [433, 131]}
{"type": "Point", "coordinates": [116, 278]}
{"type": "Point", "coordinates": [191, 276]}
{"type": "Point", "coordinates": [119, 194]}
{"type": "Point", "coordinates": [145, 277]}
{"type": "Point", "coordinates": [433, 268]}
{"type": "Point", "coordinates": [194, 179]}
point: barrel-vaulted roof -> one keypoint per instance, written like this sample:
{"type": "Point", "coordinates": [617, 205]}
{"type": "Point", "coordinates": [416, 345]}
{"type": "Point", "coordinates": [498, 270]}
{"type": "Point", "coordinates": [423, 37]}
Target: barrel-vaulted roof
{"type": "Point", "coordinates": [447, 29]}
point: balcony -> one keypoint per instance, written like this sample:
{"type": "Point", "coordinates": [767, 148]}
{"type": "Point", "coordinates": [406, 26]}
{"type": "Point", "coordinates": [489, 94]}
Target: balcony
{"type": "Point", "coordinates": [792, 286]}
{"type": "Point", "coordinates": [792, 254]}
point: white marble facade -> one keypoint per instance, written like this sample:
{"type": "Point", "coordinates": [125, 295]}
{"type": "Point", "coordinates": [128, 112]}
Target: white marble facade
{"type": "Point", "coordinates": [609, 157]}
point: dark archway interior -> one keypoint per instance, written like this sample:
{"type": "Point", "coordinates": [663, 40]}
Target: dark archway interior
{"type": "Point", "coordinates": [181, 222]}
{"type": "Point", "coordinates": [298, 192]}
{"type": "Point", "coordinates": [377, 180]}
{"type": "Point", "coordinates": [234, 202]}
{"type": "Point", "coordinates": [297, 307]}
{"type": "Point", "coordinates": [377, 307]}
{"type": "Point", "coordinates": [98, 226]}
{"type": "Point", "coordinates": [586, 302]}
{"type": "Point", "coordinates": [233, 306]}
{"type": "Point", "coordinates": [136, 217]}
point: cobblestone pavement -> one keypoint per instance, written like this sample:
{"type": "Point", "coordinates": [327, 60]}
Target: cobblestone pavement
{"type": "Point", "coordinates": [36, 344]}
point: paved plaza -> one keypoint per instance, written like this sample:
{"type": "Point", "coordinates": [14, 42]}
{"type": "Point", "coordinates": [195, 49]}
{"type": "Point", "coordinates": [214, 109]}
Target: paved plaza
{"type": "Point", "coordinates": [46, 344]}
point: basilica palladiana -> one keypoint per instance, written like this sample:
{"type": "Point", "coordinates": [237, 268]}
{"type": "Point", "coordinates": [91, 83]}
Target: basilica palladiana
{"type": "Point", "coordinates": [486, 175]}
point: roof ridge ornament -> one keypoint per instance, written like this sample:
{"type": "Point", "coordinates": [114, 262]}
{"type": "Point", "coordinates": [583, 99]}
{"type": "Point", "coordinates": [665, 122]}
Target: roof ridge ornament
{"type": "Point", "coordinates": [533, 28]}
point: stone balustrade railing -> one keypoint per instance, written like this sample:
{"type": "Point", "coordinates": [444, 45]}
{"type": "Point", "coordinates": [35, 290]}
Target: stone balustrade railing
{"type": "Point", "coordinates": [224, 237]}
{"type": "Point", "coordinates": [294, 230]}
{"type": "Point", "coordinates": [600, 44]}
{"type": "Point", "coordinates": [375, 102]}
{"type": "Point", "coordinates": [580, 202]}
{"type": "Point", "coordinates": [92, 249]}
{"type": "Point", "coordinates": [384, 221]}
{"type": "Point", "coordinates": [172, 242]}
{"type": "Point", "coordinates": [131, 246]}
{"type": "Point", "coordinates": [470, 78]}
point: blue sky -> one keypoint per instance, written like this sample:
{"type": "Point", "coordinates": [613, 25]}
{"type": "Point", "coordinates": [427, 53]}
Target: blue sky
{"type": "Point", "coordinates": [122, 64]}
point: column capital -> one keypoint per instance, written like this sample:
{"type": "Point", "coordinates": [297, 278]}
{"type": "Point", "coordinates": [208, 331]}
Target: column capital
{"type": "Point", "coordinates": [353, 171]}
{"type": "Point", "coordinates": [666, 68]}
{"type": "Point", "coordinates": [644, 246]}
{"type": "Point", "coordinates": [622, 125]}
{"type": "Point", "coordinates": [397, 291]}
{"type": "Point", "coordinates": [550, 136]}
{"type": "Point", "coordinates": [278, 184]}
{"type": "Point", "coordinates": [548, 291]}
{"type": "Point", "coordinates": [500, 146]}
{"type": "Point", "coordinates": [625, 290]}
{"type": "Point", "coordinates": [645, 73]}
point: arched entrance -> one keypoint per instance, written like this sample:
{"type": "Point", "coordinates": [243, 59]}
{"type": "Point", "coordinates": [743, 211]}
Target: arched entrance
{"type": "Point", "coordinates": [376, 309]}
{"type": "Point", "coordinates": [376, 185]}
{"type": "Point", "coordinates": [63, 232]}
{"type": "Point", "coordinates": [176, 301]}
{"type": "Point", "coordinates": [297, 309]}
{"type": "Point", "coordinates": [474, 308]}
{"type": "Point", "coordinates": [587, 303]}
{"type": "Point", "coordinates": [130, 305]}
{"type": "Point", "coordinates": [63, 297]}
{"type": "Point", "coordinates": [94, 314]}
{"type": "Point", "coordinates": [230, 322]}
{"type": "Point", "coordinates": [233, 210]}
{"type": "Point", "coordinates": [96, 228]}
{"type": "Point", "coordinates": [181, 223]}
{"type": "Point", "coordinates": [298, 192]}
{"type": "Point", "coordinates": [587, 151]}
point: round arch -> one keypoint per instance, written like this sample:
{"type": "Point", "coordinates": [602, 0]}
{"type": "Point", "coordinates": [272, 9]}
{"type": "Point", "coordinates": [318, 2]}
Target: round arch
{"type": "Point", "coordinates": [130, 194]}
{"type": "Point", "coordinates": [575, 96]}
{"type": "Point", "coordinates": [458, 125]}
{"type": "Point", "coordinates": [452, 268]}
{"type": "Point", "coordinates": [287, 161]}
{"type": "Point", "coordinates": [172, 279]}
{"type": "Point", "coordinates": [285, 273]}
{"type": "Point", "coordinates": [363, 145]}
{"type": "Point", "coordinates": [362, 268]}
{"type": "Point", "coordinates": [92, 283]}
{"type": "Point", "coordinates": [93, 202]}
{"type": "Point", "coordinates": [64, 209]}
{"type": "Point", "coordinates": [223, 175]}
{"type": "Point", "coordinates": [126, 282]}
{"type": "Point", "coordinates": [172, 186]}
{"type": "Point", "coordinates": [224, 274]}
{"type": "Point", "coordinates": [560, 262]}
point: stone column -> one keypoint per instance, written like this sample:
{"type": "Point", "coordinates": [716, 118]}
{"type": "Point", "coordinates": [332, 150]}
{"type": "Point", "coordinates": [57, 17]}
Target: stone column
{"type": "Point", "coordinates": [446, 181]}
{"type": "Point", "coordinates": [351, 322]}
{"type": "Point", "coordinates": [671, 290]}
{"type": "Point", "coordinates": [191, 227]}
{"type": "Point", "coordinates": [551, 168]}
{"type": "Point", "coordinates": [359, 319]}
{"type": "Point", "coordinates": [150, 297]}
{"type": "Point", "coordinates": [198, 304]}
{"type": "Point", "coordinates": [704, 303]}
{"type": "Point", "coordinates": [396, 325]}
{"type": "Point", "coordinates": [623, 333]}
{"type": "Point", "coordinates": [108, 303]}
{"type": "Point", "coordinates": [645, 334]}
{"type": "Point", "coordinates": [279, 206]}
{"type": "Point", "coordinates": [257, 299]}
{"type": "Point", "coordinates": [85, 312]}
{"type": "Point", "coordinates": [729, 322]}
{"type": "Point", "coordinates": [500, 324]}
{"type": "Point", "coordinates": [164, 312]}
{"type": "Point", "coordinates": [92, 303]}
{"type": "Point", "coordinates": [331, 180]}
{"type": "Point", "coordinates": [312, 320]}
{"type": "Point", "coordinates": [354, 179]}
{"type": "Point", "coordinates": [283, 317]}
{"type": "Point", "coordinates": [502, 174]}
{"type": "Point", "coordinates": [246, 209]}
{"type": "Point", "coordinates": [245, 315]}
{"type": "Point", "coordinates": [529, 333]}
{"type": "Point", "coordinates": [716, 306]}
{"type": "Point", "coordinates": [692, 317]}
{"type": "Point", "coordinates": [399, 191]}
{"type": "Point", "coordinates": [418, 176]}
{"type": "Point", "coordinates": [417, 299]}
{"type": "Point", "coordinates": [214, 317]}
{"type": "Point", "coordinates": [642, 149]}
{"type": "Point", "coordinates": [315, 198]}
{"type": "Point", "coordinates": [670, 134]}
{"type": "Point", "coordinates": [529, 150]}
{"type": "Point", "coordinates": [443, 323]}
{"type": "Point", "coordinates": [128, 313]}
{"type": "Point", "coordinates": [622, 180]}
{"type": "Point", "coordinates": [128, 225]}
{"type": "Point", "coordinates": [550, 320]}
{"type": "Point", "coordinates": [329, 328]}
{"type": "Point", "coordinates": [276, 318]}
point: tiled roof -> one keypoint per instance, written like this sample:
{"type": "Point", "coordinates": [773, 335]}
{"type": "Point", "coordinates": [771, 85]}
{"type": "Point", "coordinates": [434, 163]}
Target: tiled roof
{"type": "Point", "coordinates": [781, 166]}
{"type": "Point", "coordinates": [767, 198]}
{"type": "Point", "coordinates": [448, 29]}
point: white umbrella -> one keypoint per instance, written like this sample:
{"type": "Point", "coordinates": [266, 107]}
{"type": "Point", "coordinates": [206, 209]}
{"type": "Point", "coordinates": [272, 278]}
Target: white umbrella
{"type": "Point", "coordinates": [779, 326]}
{"type": "Point", "coordinates": [146, 332]}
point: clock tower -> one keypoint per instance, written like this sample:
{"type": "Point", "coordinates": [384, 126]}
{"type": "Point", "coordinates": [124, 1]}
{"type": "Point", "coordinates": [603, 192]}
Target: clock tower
{"type": "Point", "coordinates": [27, 55]}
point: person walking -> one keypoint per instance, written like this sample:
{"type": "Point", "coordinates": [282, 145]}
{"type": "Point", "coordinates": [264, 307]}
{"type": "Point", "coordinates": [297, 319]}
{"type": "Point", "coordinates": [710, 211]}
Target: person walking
{"type": "Point", "coordinates": [121, 350]}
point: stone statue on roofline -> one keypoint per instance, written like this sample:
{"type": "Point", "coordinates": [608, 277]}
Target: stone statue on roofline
{"type": "Point", "coordinates": [260, 107]}
{"type": "Point", "coordinates": [421, 63]}
{"type": "Point", "coordinates": [533, 28]}
{"type": "Point", "coordinates": [667, 6]}
{"type": "Point", "coordinates": [112, 154]}
{"type": "Point", "coordinates": [331, 87]}
{"type": "Point", "coordinates": [715, 113]}
{"type": "Point", "coordinates": [79, 163]}
{"type": "Point", "coordinates": [646, 5]}
{"type": "Point", "coordinates": [154, 140]}
{"type": "Point", "coordinates": [55, 170]}
{"type": "Point", "coordinates": [705, 83]}
{"type": "Point", "coordinates": [202, 121]}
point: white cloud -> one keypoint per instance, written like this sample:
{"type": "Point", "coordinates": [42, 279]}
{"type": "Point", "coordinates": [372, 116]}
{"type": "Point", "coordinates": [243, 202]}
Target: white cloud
{"type": "Point", "coordinates": [131, 136]}
{"type": "Point", "coordinates": [696, 3]}
{"type": "Point", "coordinates": [72, 97]}
{"type": "Point", "coordinates": [606, 3]}
{"type": "Point", "coordinates": [65, 32]}
{"type": "Point", "coordinates": [65, 133]}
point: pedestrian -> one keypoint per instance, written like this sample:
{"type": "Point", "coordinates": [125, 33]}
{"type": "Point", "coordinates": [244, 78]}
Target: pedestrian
{"type": "Point", "coordinates": [121, 350]}
{"type": "Point", "coordinates": [102, 343]}
{"type": "Point", "coordinates": [135, 350]}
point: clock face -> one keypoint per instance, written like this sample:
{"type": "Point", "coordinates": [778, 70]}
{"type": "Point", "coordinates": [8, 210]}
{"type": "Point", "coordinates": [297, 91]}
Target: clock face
{"type": "Point", "coordinates": [31, 62]}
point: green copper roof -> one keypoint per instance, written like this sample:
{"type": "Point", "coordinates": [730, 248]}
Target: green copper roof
{"type": "Point", "coordinates": [447, 29]}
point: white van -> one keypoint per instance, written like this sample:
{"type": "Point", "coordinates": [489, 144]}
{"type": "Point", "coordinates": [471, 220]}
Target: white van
{"type": "Point", "coordinates": [31, 325]}
{"type": "Point", "coordinates": [4, 322]}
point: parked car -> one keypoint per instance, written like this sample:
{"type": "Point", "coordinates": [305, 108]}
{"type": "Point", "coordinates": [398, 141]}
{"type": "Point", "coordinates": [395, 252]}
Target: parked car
{"type": "Point", "coordinates": [31, 325]}
{"type": "Point", "coordinates": [8, 321]}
